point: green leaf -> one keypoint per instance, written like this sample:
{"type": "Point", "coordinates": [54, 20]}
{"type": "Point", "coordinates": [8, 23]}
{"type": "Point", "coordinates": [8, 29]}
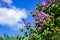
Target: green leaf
{"type": "Point", "coordinates": [21, 29]}
{"type": "Point", "coordinates": [33, 14]}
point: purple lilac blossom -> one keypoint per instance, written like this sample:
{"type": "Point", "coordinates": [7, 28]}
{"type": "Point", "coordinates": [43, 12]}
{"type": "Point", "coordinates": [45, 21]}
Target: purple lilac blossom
{"type": "Point", "coordinates": [46, 4]}
{"type": "Point", "coordinates": [36, 11]}
{"type": "Point", "coordinates": [39, 28]}
{"type": "Point", "coordinates": [26, 24]}
{"type": "Point", "coordinates": [41, 17]}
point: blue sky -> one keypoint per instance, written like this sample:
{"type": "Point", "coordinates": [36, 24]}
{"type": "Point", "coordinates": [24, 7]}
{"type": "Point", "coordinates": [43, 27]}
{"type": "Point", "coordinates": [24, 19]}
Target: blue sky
{"type": "Point", "coordinates": [21, 7]}
{"type": "Point", "coordinates": [27, 4]}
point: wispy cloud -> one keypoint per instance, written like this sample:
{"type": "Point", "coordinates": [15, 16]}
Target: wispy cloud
{"type": "Point", "coordinates": [11, 16]}
{"type": "Point", "coordinates": [9, 2]}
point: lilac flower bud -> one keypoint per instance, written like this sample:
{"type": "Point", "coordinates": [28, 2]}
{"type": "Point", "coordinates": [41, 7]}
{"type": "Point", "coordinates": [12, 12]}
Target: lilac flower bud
{"type": "Point", "coordinates": [43, 13]}
{"type": "Point", "coordinates": [36, 11]}
{"type": "Point", "coordinates": [39, 28]}
{"type": "Point", "coordinates": [41, 25]}
{"type": "Point", "coordinates": [26, 24]}
{"type": "Point", "coordinates": [41, 21]}
{"type": "Point", "coordinates": [48, 1]}
{"type": "Point", "coordinates": [44, 4]}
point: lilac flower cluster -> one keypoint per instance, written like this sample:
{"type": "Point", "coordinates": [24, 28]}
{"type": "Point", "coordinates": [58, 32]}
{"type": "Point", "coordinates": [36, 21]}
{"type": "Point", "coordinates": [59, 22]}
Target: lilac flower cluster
{"type": "Point", "coordinates": [46, 4]}
{"type": "Point", "coordinates": [41, 17]}
{"type": "Point", "coordinates": [26, 24]}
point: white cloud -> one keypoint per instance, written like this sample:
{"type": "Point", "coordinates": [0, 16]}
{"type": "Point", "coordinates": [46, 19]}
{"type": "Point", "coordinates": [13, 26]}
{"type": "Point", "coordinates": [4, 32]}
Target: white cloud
{"type": "Point", "coordinates": [8, 1]}
{"type": "Point", "coordinates": [12, 16]}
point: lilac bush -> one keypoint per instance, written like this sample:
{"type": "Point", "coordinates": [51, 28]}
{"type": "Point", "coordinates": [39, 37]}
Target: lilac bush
{"type": "Point", "coordinates": [47, 19]}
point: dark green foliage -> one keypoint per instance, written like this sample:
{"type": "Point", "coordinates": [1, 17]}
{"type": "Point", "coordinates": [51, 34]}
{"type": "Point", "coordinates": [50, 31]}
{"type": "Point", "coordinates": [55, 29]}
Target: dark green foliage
{"type": "Point", "coordinates": [1, 38]}
{"type": "Point", "coordinates": [33, 14]}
